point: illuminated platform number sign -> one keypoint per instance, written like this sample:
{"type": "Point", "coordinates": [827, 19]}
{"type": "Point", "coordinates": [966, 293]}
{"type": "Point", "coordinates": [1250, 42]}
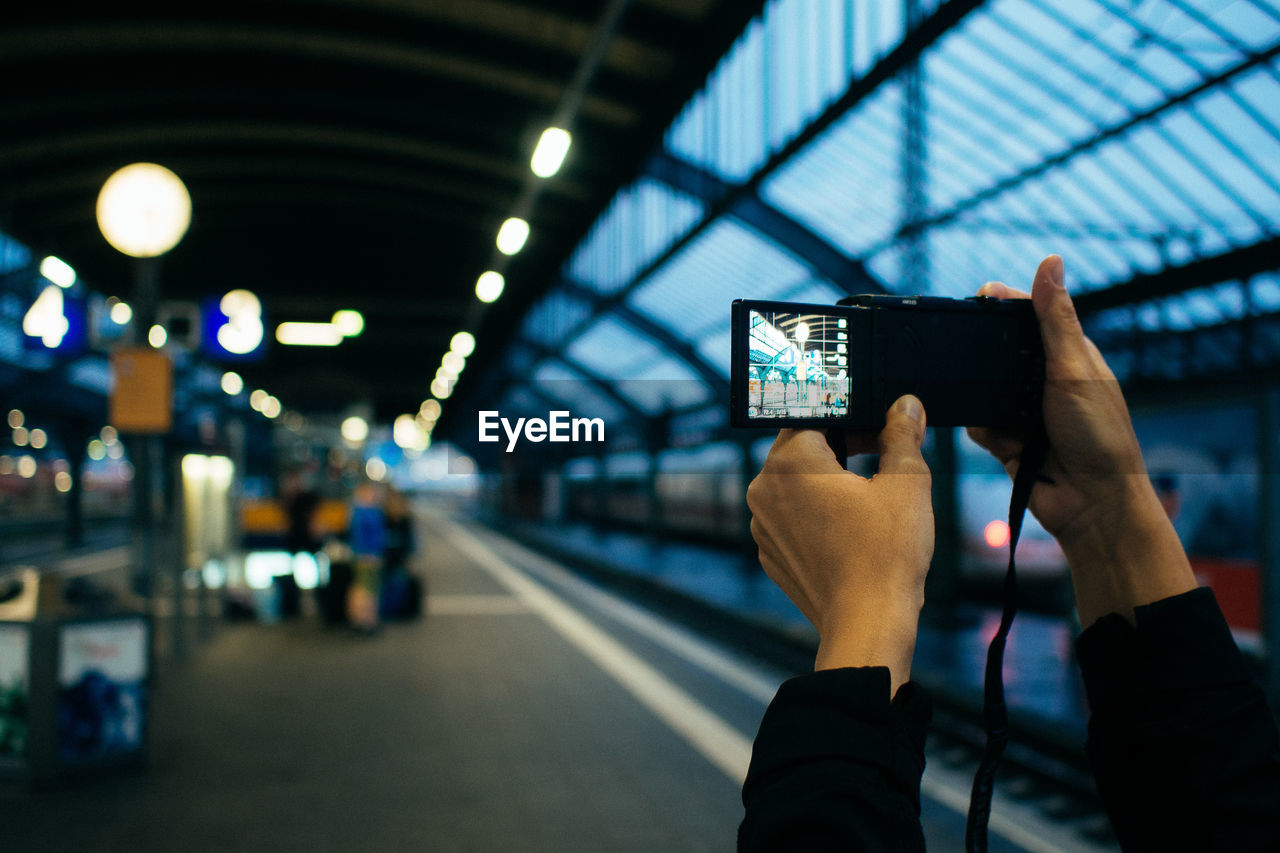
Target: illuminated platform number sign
{"type": "Point", "coordinates": [55, 322]}
{"type": "Point", "coordinates": [233, 328]}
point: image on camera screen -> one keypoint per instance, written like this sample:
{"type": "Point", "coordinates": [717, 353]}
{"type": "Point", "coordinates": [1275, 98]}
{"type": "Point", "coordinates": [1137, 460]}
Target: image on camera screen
{"type": "Point", "coordinates": [798, 365]}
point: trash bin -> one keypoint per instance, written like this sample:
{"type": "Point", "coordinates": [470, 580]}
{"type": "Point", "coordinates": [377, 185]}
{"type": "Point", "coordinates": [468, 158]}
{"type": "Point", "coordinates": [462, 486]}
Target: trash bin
{"type": "Point", "coordinates": [74, 685]}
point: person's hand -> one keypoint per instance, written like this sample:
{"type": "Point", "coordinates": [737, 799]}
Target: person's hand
{"type": "Point", "coordinates": [1095, 496]}
{"type": "Point", "coordinates": [852, 553]}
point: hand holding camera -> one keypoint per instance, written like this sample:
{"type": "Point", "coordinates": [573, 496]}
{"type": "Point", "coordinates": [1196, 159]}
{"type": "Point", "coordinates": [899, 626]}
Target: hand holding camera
{"type": "Point", "coordinates": [1094, 495]}
{"type": "Point", "coordinates": [851, 553]}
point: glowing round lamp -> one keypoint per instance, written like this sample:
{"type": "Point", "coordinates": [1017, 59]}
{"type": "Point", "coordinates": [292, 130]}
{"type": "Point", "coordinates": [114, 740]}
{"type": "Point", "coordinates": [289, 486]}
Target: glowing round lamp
{"type": "Point", "coordinates": [463, 343]}
{"type": "Point", "coordinates": [144, 210]}
{"type": "Point", "coordinates": [996, 533]}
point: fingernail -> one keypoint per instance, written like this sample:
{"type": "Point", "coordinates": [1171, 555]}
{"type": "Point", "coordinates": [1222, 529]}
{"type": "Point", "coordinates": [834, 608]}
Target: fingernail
{"type": "Point", "coordinates": [911, 407]}
{"type": "Point", "coordinates": [1056, 272]}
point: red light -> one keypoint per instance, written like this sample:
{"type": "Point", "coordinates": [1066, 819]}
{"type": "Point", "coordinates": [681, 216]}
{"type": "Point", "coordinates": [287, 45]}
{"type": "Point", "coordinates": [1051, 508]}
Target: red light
{"type": "Point", "coordinates": [996, 534]}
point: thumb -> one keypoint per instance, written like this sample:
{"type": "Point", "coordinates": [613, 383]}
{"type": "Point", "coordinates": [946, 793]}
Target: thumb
{"type": "Point", "coordinates": [901, 438]}
{"type": "Point", "coordinates": [1064, 341]}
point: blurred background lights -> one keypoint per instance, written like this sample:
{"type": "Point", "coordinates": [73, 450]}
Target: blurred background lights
{"type": "Point", "coordinates": [349, 323]}
{"type": "Point", "coordinates": [97, 450]}
{"type": "Point", "coordinates": [157, 336]}
{"type": "Point", "coordinates": [109, 435]}
{"type": "Point", "coordinates": [549, 153]}
{"type": "Point", "coordinates": [272, 408]}
{"type": "Point", "coordinates": [121, 313]}
{"type": "Point", "coordinates": [6, 465]}
{"type": "Point", "coordinates": [20, 436]}
{"type": "Point", "coordinates": [16, 418]}
{"type": "Point", "coordinates": [511, 235]}
{"type": "Point", "coordinates": [258, 399]}
{"type": "Point", "coordinates": [463, 343]}
{"type": "Point", "coordinates": [26, 467]}
{"type": "Point", "coordinates": [38, 439]}
{"type": "Point", "coordinates": [376, 469]}
{"type": "Point", "coordinates": [355, 429]}
{"type": "Point", "coordinates": [408, 434]}
{"type": "Point", "coordinates": [232, 383]}
{"type": "Point", "coordinates": [309, 334]}
{"type": "Point", "coordinates": [441, 387]}
{"type": "Point", "coordinates": [489, 286]}
{"type": "Point", "coordinates": [62, 481]}
{"type": "Point", "coordinates": [144, 210]}
{"type": "Point", "coordinates": [996, 533]}
{"type": "Point", "coordinates": [454, 361]}
{"type": "Point", "coordinates": [431, 409]}
{"type": "Point", "coordinates": [58, 271]}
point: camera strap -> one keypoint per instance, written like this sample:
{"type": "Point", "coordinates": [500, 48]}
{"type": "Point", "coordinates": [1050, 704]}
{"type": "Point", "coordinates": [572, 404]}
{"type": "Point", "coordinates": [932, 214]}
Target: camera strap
{"type": "Point", "coordinates": [994, 712]}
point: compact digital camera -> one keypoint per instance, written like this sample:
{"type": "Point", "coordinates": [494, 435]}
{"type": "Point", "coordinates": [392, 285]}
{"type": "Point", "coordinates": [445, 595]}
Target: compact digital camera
{"type": "Point", "coordinates": [972, 362]}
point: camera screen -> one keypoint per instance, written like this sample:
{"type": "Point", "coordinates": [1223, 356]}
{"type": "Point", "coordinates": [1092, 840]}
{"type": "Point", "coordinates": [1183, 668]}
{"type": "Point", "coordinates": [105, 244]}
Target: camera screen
{"type": "Point", "coordinates": [798, 365]}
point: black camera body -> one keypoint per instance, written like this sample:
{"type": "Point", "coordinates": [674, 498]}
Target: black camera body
{"type": "Point", "coordinates": [972, 362]}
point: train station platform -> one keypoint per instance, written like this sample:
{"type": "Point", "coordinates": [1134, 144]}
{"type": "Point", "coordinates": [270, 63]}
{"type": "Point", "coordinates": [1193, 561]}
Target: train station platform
{"type": "Point", "coordinates": [529, 709]}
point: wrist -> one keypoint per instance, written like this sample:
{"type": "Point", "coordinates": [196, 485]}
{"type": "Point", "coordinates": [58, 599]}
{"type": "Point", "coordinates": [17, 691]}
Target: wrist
{"type": "Point", "coordinates": [876, 637]}
{"type": "Point", "coordinates": [1125, 553]}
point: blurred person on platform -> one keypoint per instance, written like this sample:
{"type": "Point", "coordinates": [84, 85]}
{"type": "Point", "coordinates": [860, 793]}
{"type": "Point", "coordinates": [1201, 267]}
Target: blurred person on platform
{"type": "Point", "coordinates": [369, 546]}
{"type": "Point", "coordinates": [300, 504]}
{"type": "Point", "coordinates": [401, 590]}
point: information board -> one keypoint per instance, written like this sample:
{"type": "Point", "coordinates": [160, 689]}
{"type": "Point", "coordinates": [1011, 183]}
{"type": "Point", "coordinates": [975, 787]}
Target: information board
{"type": "Point", "coordinates": [102, 676]}
{"type": "Point", "coordinates": [15, 689]}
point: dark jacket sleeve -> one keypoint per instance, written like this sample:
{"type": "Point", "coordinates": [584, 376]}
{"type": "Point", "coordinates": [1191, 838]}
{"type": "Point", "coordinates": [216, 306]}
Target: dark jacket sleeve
{"type": "Point", "coordinates": [837, 766]}
{"type": "Point", "coordinates": [1183, 745]}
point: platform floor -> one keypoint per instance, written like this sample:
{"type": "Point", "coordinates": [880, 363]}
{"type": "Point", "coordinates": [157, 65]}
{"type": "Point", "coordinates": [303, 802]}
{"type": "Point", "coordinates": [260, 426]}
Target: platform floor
{"type": "Point", "coordinates": [529, 710]}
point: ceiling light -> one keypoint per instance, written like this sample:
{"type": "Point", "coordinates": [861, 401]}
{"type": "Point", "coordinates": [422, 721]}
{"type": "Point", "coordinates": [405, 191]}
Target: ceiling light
{"type": "Point", "coordinates": [552, 146]}
{"type": "Point", "coordinates": [143, 210]}
{"type": "Point", "coordinates": [408, 434]}
{"type": "Point", "coordinates": [463, 343]}
{"type": "Point", "coordinates": [511, 235]}
{"type": "Point", "coordinates": [355, 429]}
{"type": "Point", "coordinates": [489, 286]}
{"type": "Point", "coordinates": [349, 322]}
{"type": "Point", "coordinates": [309, 334]}
{"type": "Point", "coordinates": [58, 271]}
{"type": "Point", "coordinates": [454, 362]}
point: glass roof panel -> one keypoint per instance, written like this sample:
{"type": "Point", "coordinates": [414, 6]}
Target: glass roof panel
{"type": "Point", "coordinates": [726, 262]}
{"type": "Point", "coordinates": [639, 224]}
{"type": "Point", "coordinates": [1236, 114]}
{"type": "Point", "coordinates": [847, 185]}
{"type": "Point", "coordinates": [553, 315]}
{"type": "Point", "coordinates": [783, 71]}
{"type": "Point", "coordinates": [561, 382]}
{"type": "Point", "coordinates": [716, 349]}
{"type": "Point", "coordinates": [1264, 293]}
{"type": "Point", "coordinates": [613, 349]}
{"type": "Point", "coordinates": [665, 383]}
{"type": "Point", "coordinates": [1249, 23]}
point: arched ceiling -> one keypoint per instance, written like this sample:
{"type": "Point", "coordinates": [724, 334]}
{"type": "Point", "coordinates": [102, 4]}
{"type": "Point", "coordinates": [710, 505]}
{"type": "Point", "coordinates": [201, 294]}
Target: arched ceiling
{"type": "Point", "coordinates": [341, 154]}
